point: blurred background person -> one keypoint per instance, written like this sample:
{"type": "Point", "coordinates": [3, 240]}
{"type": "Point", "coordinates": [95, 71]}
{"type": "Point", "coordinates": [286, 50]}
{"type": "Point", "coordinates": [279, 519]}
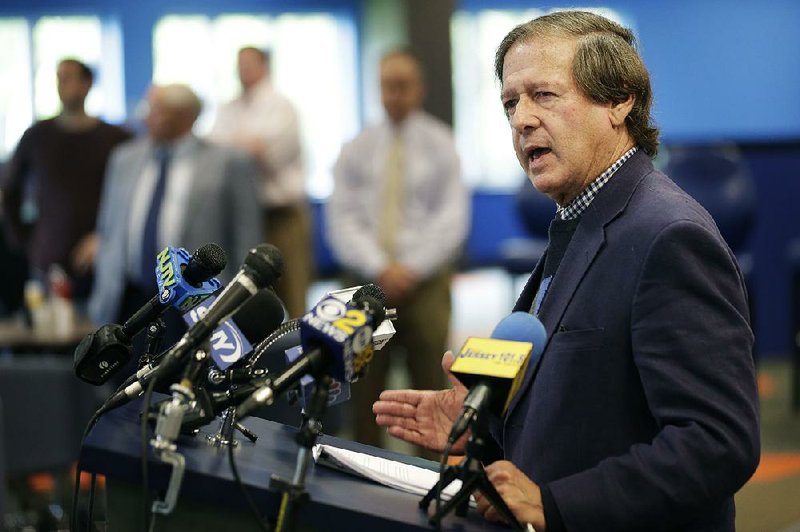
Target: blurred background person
{"type": "Point", "coordinates": [398, 217]}
{"type": "Point", "coordinates": [264, 123]}
{"type": "Point", "coordinates": [53, 182]}
{"type": "Point", "coordinates": [169, 188]}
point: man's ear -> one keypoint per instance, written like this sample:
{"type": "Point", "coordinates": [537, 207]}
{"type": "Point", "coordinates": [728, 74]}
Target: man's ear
{"type": "Point", "coordinates": [618, 112]}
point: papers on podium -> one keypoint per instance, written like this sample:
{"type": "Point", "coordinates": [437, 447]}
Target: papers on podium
{"type": "Point", "coordinates": [404, 477]}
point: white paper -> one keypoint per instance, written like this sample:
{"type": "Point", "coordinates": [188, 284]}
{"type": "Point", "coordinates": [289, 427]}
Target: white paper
{"type": "Point", "coordinates": [404, 477]}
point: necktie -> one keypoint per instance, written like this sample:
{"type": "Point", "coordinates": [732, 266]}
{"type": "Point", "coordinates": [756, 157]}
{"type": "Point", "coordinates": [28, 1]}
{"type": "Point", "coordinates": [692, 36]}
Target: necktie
{"type": "Point", "coordinates": [392, 195]}
{"type": "Point", "coordinates": [150, 234]}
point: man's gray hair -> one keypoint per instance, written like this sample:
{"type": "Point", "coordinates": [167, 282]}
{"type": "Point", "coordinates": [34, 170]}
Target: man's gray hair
{"type": "Point", "coordinates": [606, 67]}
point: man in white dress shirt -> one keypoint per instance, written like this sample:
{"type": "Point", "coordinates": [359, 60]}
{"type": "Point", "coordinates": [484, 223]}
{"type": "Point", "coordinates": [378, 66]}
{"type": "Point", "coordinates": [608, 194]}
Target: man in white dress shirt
{"type": "Point", "coordinates": [398, 217]}
{"type": "Point", "coordinates": [264, 123]}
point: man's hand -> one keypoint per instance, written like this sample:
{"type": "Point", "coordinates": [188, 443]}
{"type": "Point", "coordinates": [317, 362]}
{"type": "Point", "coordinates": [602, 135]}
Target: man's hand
{"type": "Point", "coordinates": [521, 495]}
{"type": "Point", "coordinates": [423, 417]}
{"type": "Point", "coordinates": [397, 282]}
{"type": "Point", "coordinates": [83, 254]}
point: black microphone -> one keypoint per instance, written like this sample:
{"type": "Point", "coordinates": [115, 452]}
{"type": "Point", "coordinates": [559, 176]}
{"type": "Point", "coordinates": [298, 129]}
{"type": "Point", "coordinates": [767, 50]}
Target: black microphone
{"type": "Point", "coordinates": [262, 266]}
{"type": "Point", "coordinates": [372, 299]}
{"type": "Point", "coordinates": [336, 339]}
{"type": "Point", "coordinates": [493, 368]}
{"type": "Point", "coordinates": [102, 353]}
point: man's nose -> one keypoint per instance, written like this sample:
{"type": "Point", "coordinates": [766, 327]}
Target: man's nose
{"type": "Point", "coordinates": [525, 115]}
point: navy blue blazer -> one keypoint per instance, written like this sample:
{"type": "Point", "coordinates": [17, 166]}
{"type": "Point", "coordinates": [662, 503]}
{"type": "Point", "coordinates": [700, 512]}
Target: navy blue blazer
{"type": "Point", "coordinates": [642, 412]}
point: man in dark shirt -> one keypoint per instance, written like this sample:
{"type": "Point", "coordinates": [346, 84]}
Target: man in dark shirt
{"type": "Point", "coordinates": [51, 188]}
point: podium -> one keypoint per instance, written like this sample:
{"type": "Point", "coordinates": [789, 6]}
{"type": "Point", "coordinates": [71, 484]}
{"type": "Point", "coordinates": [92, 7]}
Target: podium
{"type": "Point", "coordinates": [211, 500]}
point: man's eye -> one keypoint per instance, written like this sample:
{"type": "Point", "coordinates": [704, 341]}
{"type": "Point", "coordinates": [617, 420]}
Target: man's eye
{"type": "Point", "coordinates": [508, 105]}
{"type": "Point", "coordinates": [544, 95]}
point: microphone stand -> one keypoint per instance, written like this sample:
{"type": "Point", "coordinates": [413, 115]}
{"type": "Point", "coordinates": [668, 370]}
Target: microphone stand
{"type": "Point", "coordinates": [220, 437]}
{"type": "Point", "coordinates": [293, 492]}
{"type": "Point", "coordinates": [473, 477]}
{"type": "Point", "coordinates": [224, 436]}
{"type": "Point", "coordinates": [155, 335]}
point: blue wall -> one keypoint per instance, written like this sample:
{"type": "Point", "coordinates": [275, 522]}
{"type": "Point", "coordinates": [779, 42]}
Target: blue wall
{"type": "Point", "coordinates": [721, 69]}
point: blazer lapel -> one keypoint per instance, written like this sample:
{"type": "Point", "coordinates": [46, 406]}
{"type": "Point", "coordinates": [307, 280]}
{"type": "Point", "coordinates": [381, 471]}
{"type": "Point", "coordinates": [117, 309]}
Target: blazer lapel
{"type": "Point", "coordinates": [525, 299]}
{"type": "Point", "coordinates": [585, 244]}
{"type": "Point", "coordinates": [588, 240]}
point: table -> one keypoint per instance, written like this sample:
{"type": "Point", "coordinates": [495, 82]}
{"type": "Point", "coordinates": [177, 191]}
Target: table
{"type": "Point", "coordinates": [18, 338]}
{"type": "Point", "coordinates": [210, 499]}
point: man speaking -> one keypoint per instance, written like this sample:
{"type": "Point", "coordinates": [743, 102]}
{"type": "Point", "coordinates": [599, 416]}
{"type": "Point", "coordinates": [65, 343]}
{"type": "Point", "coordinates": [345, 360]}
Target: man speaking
{"type": "Point", "coordinates": [642, 411]}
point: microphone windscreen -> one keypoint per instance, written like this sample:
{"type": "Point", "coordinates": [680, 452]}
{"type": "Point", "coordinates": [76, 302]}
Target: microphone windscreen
{"type": "Point", "coordinates": [374, 307]}
{"type": "Point", "coordinates": [265, 263]}
{"type": "Point", "coordinates": [522, 327]}
{"type": "Point", "coordinates": [372, 290]}
{"type": "Point", "coordinates": [209, 260]}
{"type": "Point", "coordinates": [259, 316]}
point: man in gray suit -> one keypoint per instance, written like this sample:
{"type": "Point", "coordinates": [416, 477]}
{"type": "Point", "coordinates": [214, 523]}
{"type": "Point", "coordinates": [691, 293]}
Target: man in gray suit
{"type": "Point", "coordinates": [169, 188]}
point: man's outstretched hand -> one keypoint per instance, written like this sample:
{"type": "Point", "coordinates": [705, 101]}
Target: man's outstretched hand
{"type": "Point", "coordinates": [423, 417]}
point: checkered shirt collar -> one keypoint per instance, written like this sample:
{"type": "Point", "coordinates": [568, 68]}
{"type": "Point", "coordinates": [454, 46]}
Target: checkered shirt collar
{"type": "Point", "coordinates": [576, 207]}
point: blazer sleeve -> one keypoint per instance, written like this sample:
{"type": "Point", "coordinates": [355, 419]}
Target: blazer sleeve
{"type": "Point", "coordinates": [692, 346]}
{"type": "Point", "coordinates": [109, 263]}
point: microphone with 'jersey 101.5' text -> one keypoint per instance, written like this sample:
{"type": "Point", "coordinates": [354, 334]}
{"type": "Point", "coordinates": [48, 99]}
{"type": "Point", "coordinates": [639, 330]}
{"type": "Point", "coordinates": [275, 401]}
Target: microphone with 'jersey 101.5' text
{"type": "Point", "coordinates": [493, 368]}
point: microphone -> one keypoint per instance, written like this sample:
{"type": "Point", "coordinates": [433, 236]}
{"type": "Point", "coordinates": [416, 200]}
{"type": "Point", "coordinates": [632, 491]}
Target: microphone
{"type": "Point", "coordinates": [183, 282]}
{"type": "Point", "coordinates": [262, 266]}
{"type": "Point", "coordinates": [336, 338]}
{"type": "Point", "coordinates": [287, 336]}
{"type": "Point", "coordinates": [493, 368]}
{"type": "Point", "coordinates": [259, 317]}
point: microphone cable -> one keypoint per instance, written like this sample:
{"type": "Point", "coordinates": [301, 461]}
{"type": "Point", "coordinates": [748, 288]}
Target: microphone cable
{"type": "Point", "coordinates": [73, 519]}
{"type": "Point", "coordinates": [285, 328]}
{"type": "Point", "coordinates": [245, 492]}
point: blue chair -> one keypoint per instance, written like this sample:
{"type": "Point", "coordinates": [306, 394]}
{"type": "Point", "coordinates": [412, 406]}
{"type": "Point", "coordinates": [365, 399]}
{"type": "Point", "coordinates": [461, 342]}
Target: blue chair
{"type": "Point", "coordinates": [718, 178]}
{"type": "Point", "coordinates": [535, 210]}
